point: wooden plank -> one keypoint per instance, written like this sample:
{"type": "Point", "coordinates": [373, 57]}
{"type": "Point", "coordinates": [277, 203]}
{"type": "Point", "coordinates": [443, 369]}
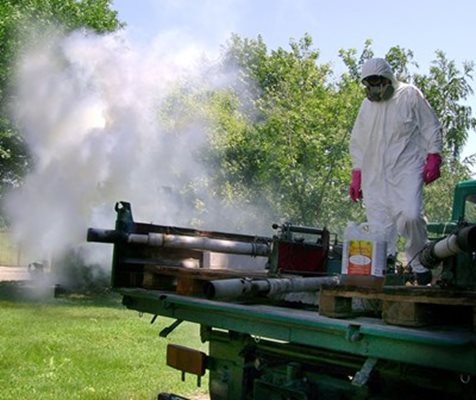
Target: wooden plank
{"type": "Point", "coordinates": [334, 306]}
{"type": "Point", "coordinates": [189, 286]}
{"type": "Point", "coordinates": [203, 273]}
{"type": "Point", "coordinates": [407, 294]}
{"type": "Point", "coordinates": [159, 282]}
{"type": "Point", "coordinates": [403, 305]}
{"type": "Point", "coordinates": [406, 313]}
{"type": "Point", "coordinates": [430, 295]}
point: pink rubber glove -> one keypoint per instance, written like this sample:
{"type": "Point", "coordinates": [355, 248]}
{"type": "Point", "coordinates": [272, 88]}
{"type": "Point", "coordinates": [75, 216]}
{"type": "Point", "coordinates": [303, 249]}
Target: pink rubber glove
{"type": "Point", "coordinates": [431, 172]}
{"type": "Point", "coordinates": [355, 191]}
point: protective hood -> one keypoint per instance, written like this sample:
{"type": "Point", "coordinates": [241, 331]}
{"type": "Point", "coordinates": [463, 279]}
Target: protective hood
{"type": "Point", "coordinates": [380, 67]}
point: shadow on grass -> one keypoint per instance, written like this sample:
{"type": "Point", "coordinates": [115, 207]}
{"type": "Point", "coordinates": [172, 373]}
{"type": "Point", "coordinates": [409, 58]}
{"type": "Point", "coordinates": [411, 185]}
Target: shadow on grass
{"type": "Point", "coordinates": [29, 292]}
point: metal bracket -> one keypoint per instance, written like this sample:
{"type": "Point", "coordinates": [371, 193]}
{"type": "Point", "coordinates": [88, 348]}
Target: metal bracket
{"type": "Point", "coordinates": [353, 333]}
{"type": "Point", "coordinates": [362, 376]}
{"type": "Point", "coordinates": [168, 329]}
{"type": "Point", "coordinates": [199, 379]}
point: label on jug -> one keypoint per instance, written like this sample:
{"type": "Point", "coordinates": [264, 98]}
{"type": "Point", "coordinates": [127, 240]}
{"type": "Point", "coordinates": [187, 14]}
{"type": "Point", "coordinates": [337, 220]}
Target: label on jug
{"type": "Point", "coordinates": [360, 257]}
{"type": "Point", "coordinates": [364, 252]}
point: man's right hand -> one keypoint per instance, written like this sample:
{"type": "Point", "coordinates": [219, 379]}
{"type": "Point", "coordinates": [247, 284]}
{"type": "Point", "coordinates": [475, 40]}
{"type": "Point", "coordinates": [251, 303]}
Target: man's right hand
{"type": "Point", "coordinates": [355, 190]}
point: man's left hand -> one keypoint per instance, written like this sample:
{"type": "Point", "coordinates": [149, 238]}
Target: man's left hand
{"type": "Point", "coordinates": [431, 172]}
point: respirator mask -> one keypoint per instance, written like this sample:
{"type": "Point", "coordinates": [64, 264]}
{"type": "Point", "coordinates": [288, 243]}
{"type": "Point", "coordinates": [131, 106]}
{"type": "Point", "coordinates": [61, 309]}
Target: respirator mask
{"type": "Point", "coordinates": [378, 88]}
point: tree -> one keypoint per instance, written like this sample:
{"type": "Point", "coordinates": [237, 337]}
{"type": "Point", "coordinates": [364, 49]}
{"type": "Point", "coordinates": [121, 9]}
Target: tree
{"type": "Point", "coordinates": [446, 88]}
{"type": "Point", "coordinates": [291, 154]}
{"type": "Point", "coordinates": [280, 130]}
{"type": "Point", "coordinates": [18, 19]}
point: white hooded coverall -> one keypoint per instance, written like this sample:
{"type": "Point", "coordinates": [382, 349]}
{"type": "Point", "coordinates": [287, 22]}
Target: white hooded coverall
{"type": "Point", "coordinates": [389, 144]}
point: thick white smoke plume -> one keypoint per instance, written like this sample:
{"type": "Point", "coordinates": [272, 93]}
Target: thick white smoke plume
{"type": "Point", "coordinates": [88, 108]}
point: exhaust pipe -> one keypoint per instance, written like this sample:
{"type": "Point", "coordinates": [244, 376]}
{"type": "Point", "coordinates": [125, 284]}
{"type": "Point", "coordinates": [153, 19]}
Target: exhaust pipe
{"type": "Point", "coordinates": [463, 240]}
{"type": "Point", "coordinates": [180, 242]}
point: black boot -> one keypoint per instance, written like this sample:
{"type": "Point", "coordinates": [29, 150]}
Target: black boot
{"type": "Point", "coordinates": [391, 264]}
{"type": "Point", "coordinates": [424, 278]}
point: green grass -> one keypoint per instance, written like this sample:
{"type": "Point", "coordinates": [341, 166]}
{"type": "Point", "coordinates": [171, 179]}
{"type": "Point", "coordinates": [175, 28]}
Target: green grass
{"type": "Point", "coordinates": [88, 349]}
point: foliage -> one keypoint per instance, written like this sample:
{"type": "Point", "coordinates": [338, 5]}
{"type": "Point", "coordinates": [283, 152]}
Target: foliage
{"type": "Point", "coordinates": [353, 65]}
{"type": "Point", "coordinates": [20, 23]}
{"type": "Point", "coordinates": [280, 129]}
{"type": "Point", "coordinates": [290, 154]}
{"type": "Point", "coordinates": [446, 87]}
{"type": "Point", "coordinates": [296, 154]}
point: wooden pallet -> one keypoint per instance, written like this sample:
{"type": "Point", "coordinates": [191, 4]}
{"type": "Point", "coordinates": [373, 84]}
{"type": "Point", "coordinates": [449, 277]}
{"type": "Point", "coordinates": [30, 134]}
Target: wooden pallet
{"type": "Point", "coordinates": [405, 306]}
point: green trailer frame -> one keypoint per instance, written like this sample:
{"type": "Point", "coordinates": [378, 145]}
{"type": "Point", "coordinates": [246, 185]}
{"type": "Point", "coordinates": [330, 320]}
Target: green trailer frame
{"type": "Point", "coordinates": [260, 350]}
{"type": "Point", "coordinates": [424, 362]}
{"type": "Point", "coordinates": [451, 349]}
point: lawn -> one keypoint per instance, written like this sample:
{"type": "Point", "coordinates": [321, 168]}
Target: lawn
{"type": "Point", "coordinates": [88, 348]}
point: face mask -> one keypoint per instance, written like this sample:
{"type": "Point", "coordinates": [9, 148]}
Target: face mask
{"type": "Point", "coordinates": [378, 88]}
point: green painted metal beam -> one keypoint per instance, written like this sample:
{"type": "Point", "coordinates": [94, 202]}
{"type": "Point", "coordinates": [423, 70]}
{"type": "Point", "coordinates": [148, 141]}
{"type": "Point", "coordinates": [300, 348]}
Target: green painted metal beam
{"type": "Point", "coordinates": [444, 348]}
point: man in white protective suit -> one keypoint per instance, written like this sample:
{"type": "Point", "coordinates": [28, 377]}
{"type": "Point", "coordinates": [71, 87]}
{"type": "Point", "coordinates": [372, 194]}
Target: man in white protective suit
{"type": "Point", "coordinates": [395, 148]}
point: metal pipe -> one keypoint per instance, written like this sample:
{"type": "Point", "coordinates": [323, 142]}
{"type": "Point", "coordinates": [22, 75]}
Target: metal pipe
{"type": "Point", "coordinates": [106, 236]}
{"type": "Point", "coordinates": [464, 240]}
{"type": "Point", "coordinates": [287, 285]}
{"type": "Point", "coordinates": [446, 247]}
{"type": "Point", "coordinates": [201, 243]}
{"type": "Point", "coordinates": [181, 242]}
{"type": "Point", "coordinates": [243, 287]}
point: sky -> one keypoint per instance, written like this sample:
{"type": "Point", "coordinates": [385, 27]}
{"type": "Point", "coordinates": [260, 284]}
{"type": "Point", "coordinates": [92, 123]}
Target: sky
{"type": "Point", "coordinates": [423, 26]}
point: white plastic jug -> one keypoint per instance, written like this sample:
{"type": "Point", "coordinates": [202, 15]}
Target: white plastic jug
{"type": "Point", "coordinates": [364, 251]}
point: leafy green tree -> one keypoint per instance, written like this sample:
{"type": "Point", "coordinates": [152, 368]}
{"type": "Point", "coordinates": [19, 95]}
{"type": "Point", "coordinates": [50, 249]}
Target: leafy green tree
{"type": "Point", "coordinates": [18, 20]}
{"type": "Point", "coordinates": [447, 89]}
{"type": "Point", "coordinates": [280, 130]}
{"type": "Point", "coordinates": [290, 154]}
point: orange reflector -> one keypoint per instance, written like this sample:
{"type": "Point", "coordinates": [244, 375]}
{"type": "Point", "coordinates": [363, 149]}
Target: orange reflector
{"type": "Point", "coordinates": [186, 359]}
